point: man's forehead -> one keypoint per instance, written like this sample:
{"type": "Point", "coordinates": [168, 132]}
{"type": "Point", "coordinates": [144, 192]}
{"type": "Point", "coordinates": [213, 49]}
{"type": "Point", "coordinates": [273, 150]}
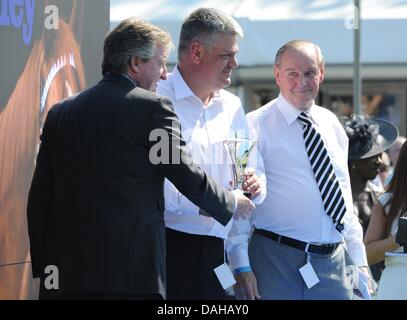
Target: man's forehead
{"type": "Point", "coordinates": [293, 59]}
{"type": "Point", "coordinates": [161, 51]}
{"type": "Point", "coordinates": [225, 42]}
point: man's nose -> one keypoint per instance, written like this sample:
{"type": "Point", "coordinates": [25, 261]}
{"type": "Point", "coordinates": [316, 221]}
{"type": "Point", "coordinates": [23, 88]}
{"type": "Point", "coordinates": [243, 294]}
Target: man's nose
{"type": "Point", "coordinates": [164, 73]}
{"type": "Point", "coordinates": [378, 160]}
{"type": "Point", "coordinates": [233, 62]}
{"type": "Point", "coordinates": [302, 79]}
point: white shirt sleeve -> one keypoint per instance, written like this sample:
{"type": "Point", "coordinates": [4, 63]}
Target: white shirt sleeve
{"type": "Point", "coordinates": [176, 202]}
{"type": "Point", "coordinates": [354, 241]}
{"type": "Point", "coordinates": [256, 162]}
{"type": "Point", "coordinates": [237, 243]}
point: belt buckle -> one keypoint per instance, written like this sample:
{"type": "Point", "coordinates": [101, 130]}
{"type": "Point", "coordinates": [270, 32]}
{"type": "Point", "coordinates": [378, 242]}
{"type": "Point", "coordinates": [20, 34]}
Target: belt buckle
{"type": "Point", "coordinates": [322, 249]}
{"type": "Point", "coordinates": [333, 247]}
{"type": "Point", "coordinates": [329, 248]}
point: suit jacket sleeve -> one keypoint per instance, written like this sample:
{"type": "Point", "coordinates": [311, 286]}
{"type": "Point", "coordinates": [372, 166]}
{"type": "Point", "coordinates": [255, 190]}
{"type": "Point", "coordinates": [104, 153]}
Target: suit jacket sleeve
{"type": "Point", "coordinates": [188, 178]}
{"type": "Point", "coordinates": [40, 202]}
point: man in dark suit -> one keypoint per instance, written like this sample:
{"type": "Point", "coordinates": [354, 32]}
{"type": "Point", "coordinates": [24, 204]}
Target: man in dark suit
{"type": "Point", "coordinates": [95, 207]}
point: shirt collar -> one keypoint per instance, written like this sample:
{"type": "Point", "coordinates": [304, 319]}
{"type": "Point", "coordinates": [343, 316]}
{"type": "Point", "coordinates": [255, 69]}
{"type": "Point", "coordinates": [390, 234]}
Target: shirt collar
{"type": "Point", "coordinates": [181, 89]}
{"type": "Point", "coordinates": [291, 113]}
{"type": "Point", "coordinates": [129, 78]}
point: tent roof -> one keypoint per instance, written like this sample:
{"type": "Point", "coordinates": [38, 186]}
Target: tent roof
{"type": "Point", "coordinates": [261, 9]}
{"type": "Point", "coordinates": [268, 24]}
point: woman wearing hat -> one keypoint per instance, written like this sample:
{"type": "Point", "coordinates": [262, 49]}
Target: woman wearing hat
{"type": "Point", "coordinates": [368, 139]}
{"type": "Point", "coordinates": [380, 235]}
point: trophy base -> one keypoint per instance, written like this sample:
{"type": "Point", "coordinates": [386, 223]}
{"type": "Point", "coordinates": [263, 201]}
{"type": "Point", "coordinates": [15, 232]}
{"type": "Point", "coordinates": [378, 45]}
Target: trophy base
{"type": "Point", "coordinates": [247, 195]}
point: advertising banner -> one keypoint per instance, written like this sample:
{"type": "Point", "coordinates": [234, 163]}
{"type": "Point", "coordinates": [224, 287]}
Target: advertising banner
{"type": "Point", "coordinates": [50, 50]}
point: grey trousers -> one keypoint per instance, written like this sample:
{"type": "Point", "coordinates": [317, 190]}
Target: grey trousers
{"type": "Point", "coordinates": [276, 267]}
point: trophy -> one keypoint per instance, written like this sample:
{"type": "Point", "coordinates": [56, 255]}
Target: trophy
{"type": "Point", "coordinates": [238, 151]}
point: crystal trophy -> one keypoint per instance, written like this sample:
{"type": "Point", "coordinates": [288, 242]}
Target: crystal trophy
{"type": "Point", "coordinates": [238, 151]}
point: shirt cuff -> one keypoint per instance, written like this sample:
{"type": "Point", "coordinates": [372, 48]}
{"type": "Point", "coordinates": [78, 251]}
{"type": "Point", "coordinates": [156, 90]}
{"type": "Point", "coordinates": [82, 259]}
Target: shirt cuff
{"type": "Point", "coordinates": [238, 258]}
{"type": "Point", "coordinates": [242, 269]}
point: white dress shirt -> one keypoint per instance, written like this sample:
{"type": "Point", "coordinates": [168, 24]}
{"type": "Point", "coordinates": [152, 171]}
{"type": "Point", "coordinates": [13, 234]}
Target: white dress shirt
{"type": "Point", "coordinates": [293, 206]}
{"type": "Point", "coordinates": [204, 128]}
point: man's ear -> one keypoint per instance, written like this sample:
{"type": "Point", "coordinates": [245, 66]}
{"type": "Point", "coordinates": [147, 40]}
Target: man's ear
{"type": "Point", "coordinates": [277, 74]}
{"type": "Point", "coordinates": [195, 50]}
{"type": "Point", "coordinates": [321, 75]}
{"type": "Point", "coordinates": [135, 64]}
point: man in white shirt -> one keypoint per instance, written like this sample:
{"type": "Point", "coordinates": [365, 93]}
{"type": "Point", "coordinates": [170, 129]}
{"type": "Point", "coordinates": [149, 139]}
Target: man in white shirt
{"type": "Point", "coordinates": [297, 249]}
{"type": "Point", "coordinates": [208, 115]}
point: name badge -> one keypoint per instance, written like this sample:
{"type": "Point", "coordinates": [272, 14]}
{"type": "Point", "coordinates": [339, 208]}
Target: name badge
{"type": "Point", "coordinates": [225, 276]}
{"type": "Point", "coordinates": [309, 275]}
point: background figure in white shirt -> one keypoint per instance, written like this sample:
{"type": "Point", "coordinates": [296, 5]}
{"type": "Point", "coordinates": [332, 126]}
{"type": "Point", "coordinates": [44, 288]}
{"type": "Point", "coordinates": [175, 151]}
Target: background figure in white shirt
{"type": "Point", "coordinates": [291, 228]}
{"type": "Point", "coordinates": [208, 115]}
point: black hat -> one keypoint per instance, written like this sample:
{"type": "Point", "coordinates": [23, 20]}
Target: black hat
{"type": "Point", "coordinates": [368, 136]}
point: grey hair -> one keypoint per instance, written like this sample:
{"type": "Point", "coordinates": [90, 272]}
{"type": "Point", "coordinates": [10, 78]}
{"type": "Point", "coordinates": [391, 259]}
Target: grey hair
{"type": "Point", "coordinates": [132, 37]}
{"type": "Point", "coordinates": [299, 46]}
{"type": "Point", "coordinates": [205, 23]}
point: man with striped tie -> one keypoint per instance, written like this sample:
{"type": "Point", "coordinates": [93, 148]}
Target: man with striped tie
{"type": "Point", "coordinates": [306, 241]}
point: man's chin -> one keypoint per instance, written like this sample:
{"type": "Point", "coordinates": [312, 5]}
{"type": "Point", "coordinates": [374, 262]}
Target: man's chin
{"type": "Point", "coordinates": [227, 82]}
{"type": "Point", "coordinates": [303, 105]}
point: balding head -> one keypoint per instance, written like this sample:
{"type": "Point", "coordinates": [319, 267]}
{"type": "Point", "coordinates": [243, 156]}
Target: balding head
{"type": "Point", "coordinates": [302, 46]}
{"type": "Point", "coordinates": [299, 70]}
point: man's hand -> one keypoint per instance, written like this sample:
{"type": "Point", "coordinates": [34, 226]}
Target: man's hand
{"type": "Point", "coordinates": [243, 209]}
{"type": "Point", "coordinates": [246, 286]}
{"type": "Point", "coordinates": [252, 183]}
{"type": "Point", "coordinates": [244, 206]}
{"type": "Point", "coordinates": [365, 270]}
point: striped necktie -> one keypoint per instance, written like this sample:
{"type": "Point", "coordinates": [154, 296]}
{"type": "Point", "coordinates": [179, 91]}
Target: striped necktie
{"type": "Point", "coordinates": [324, 173]}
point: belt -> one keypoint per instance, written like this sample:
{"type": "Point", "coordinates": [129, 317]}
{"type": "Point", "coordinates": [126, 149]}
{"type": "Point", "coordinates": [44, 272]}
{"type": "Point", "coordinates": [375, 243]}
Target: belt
{"type": "Point", "coordinates": [320, 249]}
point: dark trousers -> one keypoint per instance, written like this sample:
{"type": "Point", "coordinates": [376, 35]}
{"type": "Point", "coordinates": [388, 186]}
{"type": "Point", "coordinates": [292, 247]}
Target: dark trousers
{"type": "Point", "coordinates": [190, 262]}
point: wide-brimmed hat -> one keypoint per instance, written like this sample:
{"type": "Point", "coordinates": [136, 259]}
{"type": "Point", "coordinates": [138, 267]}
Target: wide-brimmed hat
{"type": "Point", "coordinates": [368, 136]}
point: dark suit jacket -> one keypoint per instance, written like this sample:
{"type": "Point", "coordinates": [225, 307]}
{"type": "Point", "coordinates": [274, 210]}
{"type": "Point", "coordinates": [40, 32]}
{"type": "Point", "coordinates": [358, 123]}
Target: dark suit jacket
{"type": "Point", "coordinates": [95, 207]}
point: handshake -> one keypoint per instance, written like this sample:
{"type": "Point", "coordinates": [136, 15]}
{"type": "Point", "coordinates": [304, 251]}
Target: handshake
{"type": "Point", "coordinates": [243, 209]}
{"type": "Point", "coordinates": [251, 188]}
{"type": "Point", "coordinates": [244, 206]}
